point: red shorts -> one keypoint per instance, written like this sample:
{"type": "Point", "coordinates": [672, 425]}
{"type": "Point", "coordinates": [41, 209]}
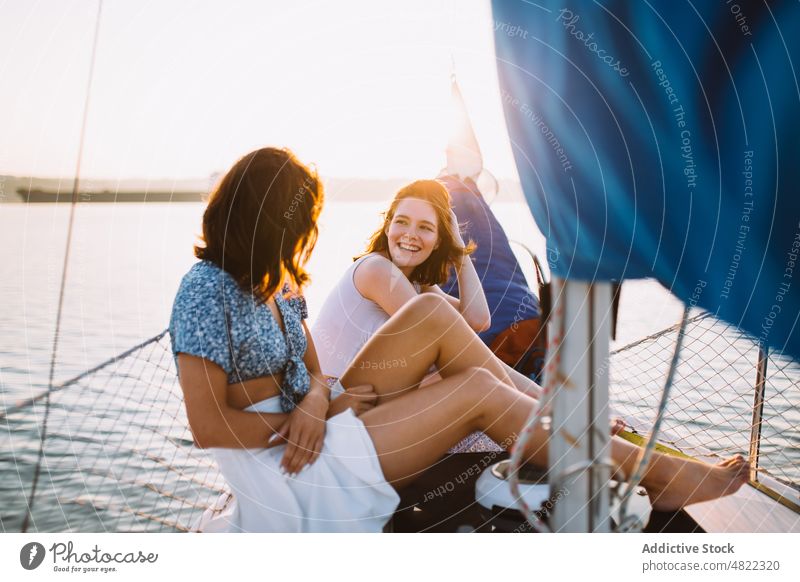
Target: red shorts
{"type": "Point", "coordinates": [522, 346]}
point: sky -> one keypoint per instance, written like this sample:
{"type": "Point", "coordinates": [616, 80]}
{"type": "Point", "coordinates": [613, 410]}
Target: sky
{"type": "Point", "coordinates": [182, 89]}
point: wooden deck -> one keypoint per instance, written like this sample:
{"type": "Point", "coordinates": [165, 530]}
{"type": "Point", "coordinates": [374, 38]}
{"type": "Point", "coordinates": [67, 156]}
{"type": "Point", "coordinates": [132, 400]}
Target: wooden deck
{"type": "Point", "coordinates": [746, 511]}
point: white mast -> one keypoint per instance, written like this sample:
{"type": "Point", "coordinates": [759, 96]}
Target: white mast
{"type": "Point", "coordinates": [577, 366]}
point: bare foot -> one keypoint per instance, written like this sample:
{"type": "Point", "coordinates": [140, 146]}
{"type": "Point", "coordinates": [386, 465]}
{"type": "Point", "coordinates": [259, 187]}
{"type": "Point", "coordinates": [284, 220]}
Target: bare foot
{"type": "Point", "coordinates": [674, 483]}
{"type": "Point", "coordinates": [732, 461]}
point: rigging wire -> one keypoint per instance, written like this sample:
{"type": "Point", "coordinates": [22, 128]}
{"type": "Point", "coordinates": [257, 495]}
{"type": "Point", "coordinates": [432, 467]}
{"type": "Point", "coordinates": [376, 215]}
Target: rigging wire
{"type": "Point", "coordinates": [632, 523]}
{"type": "Point", "coordinates": [537, 416]}
{"type": "Point", "coordinates": [626, 523]}
{"type": "Point", "coordinates": [75, 188]}
{"type": "Point", "coordinates": [75, 379]}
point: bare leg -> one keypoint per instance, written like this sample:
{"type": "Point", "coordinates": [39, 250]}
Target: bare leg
{"type": "Point", "coordinates": [412, 432]}
{"type": "Point", "coordinates": [532, 389]}
{"type": "Point", "coordinates": [427, 331]}
{"type": "Point", "coordinates": [523, 383]}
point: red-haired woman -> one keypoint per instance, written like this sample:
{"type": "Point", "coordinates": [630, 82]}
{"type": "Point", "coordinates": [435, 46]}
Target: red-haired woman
{"type": "Point", "coordinates": [412, 252]}
{"type": "Point", "coordinates": [296, 460]}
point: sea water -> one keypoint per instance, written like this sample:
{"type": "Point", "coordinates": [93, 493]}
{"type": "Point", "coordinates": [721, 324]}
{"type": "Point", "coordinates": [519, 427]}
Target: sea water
{"type": "Point", "coordinates": [126, 261]}
{"type": "Point", "coordinates": [125, 264]}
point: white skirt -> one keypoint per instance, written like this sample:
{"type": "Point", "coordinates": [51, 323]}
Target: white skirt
{"type": "Point", "coordinates": [343, 491]}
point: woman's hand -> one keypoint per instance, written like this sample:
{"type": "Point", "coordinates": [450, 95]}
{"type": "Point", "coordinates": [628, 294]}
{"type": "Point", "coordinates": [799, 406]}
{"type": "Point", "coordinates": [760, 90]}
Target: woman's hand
{"type": "Point", "coordinates": [459, 240]}
{"type": "Point", "coordinates": [304, 433]}
{"type": "Point", "coordinates": [360, 398]}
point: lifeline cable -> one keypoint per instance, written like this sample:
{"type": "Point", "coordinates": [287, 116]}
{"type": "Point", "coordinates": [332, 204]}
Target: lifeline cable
{"type": "Point", "coordinates": [73, 204]}
{"type": "Point", "coordinates": [634, 524]}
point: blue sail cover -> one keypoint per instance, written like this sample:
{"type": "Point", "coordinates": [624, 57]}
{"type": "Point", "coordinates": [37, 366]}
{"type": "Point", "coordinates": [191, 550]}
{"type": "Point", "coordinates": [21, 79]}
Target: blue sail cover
{"type": "Point", "coordinates": [662, 139]}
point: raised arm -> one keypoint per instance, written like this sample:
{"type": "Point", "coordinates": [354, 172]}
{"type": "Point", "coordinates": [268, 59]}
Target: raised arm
{"type": "Point", "coordinates": [471, 303]}
{"type": "Point", "coordinates": [379, 280]}
{"type": "Point", "coordinates": [318, 379]}
{"type": "Point", "coordinates": [213, 422]}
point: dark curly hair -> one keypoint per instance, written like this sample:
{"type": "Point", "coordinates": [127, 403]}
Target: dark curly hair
{"type": "Point", "coordinates": [260, 224]}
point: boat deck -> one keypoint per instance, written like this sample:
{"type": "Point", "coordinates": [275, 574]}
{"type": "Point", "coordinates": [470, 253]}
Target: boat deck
{"type": "Point", "coordinates": [442, 500]}
{"type": "Point", "coordinates": [746, 511]}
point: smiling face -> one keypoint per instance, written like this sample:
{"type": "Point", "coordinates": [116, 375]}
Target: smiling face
{"type": "Point", "coordinates": [418, 234]}
{"type": "Point", "coordinates": [413, 233]}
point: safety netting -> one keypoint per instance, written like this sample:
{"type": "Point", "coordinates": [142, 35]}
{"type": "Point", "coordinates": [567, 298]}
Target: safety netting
{"type": "Point", "coordinates": [111, 449]}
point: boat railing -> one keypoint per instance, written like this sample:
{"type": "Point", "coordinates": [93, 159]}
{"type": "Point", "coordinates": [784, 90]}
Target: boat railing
{"type": "Point", "coordinates": [731, 395]}
{"type": "Point", "coordinates": [117, 453]}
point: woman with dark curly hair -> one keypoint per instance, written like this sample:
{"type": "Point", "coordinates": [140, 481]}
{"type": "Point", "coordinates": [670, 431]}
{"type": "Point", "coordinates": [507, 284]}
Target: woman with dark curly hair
{"type": "Point", "coordinates": [297, 460]}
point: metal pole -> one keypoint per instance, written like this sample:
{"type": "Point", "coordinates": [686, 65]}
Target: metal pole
{"type": "Point", "coordinates": [579, 444]}
{"type": "Point", "coordinates": [758, 409]}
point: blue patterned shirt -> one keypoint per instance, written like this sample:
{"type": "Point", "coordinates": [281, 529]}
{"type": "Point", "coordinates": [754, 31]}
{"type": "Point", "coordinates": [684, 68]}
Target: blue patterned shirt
{"type": "Point", "coordinates": [214, 319]}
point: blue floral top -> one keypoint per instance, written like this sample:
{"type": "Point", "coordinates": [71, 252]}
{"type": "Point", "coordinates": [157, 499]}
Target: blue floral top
{"type": "Point", "coordinates": [213, 318]}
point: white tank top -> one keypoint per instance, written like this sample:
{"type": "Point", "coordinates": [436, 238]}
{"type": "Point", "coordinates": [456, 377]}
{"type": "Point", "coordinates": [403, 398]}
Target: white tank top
{"type": "Point", "coordinates": [346, 322]}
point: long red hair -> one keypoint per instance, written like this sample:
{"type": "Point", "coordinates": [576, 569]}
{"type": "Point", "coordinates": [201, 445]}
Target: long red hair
{"type": "Point", "coordinates": [436, 268]}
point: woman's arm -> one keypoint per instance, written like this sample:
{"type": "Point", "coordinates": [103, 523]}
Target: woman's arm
{"type": "Point", "coordinates": [319, 383]}
{"type": "Point", "coordinates": [213, 422]}
{"type": "Point", "coordinates": [304, 428]}
{"type": "Point", "coordinates": [360, 398]}
{"type": "Point", "coordinates": [379, 280]}
{"type": "Point", "coordinates": [472, 303]}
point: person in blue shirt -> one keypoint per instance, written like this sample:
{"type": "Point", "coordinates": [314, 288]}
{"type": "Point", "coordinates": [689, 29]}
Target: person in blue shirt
{"type": "Point", "coordinates": [515, 334]}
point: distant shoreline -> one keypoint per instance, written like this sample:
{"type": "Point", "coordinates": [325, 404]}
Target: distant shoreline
{"type": "Point", "coordinates": [37, 196]}
{"type": "Point", "coordinates": [22, 190]}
